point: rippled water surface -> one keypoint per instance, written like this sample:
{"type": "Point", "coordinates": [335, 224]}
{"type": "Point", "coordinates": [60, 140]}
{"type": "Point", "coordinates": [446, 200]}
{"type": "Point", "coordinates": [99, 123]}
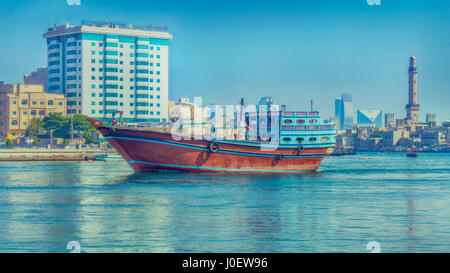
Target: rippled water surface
{"type": "Point", "coordinates": [402, 203]}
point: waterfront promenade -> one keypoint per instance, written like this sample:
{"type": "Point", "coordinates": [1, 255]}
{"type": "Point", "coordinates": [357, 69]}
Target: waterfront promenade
{"type": "Point", "coordinates": [41, 154]}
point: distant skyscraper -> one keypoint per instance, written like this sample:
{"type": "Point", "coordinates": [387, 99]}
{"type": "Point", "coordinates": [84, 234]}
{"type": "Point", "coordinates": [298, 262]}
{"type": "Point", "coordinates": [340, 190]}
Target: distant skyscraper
{"type": "Point", "coordinates": [343, 110]}
{"type": "Point", "coordinates": [389, 120]}
{"type": "Point", "coordinates": [412, 108]}
{"type": "Point", "coordinates": [370, 117]}
{"type": "Point", "coordinates": [103, 68]}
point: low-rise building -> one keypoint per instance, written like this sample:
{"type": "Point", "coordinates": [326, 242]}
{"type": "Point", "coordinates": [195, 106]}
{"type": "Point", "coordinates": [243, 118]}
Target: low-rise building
{"type": "Point", "coordinates": [37, 77]}
{"type": "Point", "coordinates": [393, 138]}
{"type": "Point", "coordinates": [19, 103]}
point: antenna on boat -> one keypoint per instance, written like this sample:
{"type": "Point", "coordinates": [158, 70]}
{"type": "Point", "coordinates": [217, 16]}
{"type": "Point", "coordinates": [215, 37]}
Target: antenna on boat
{"type": "Point", "coordinates": [311, 105]}
{"type": "Point", "coordinates": [241, 111]}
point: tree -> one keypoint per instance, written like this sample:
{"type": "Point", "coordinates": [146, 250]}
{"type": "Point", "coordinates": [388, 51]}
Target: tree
{"type": "Point", "coordinates": [33, 127]}
{"type": "Point", "coordinates": [82, 125]}
{"type": "Point", "coordinates": [9, 144]}
{"type": "Point", "coordinates": [56, 123]}
{"type": "Point", "coordinates": [36, 142]}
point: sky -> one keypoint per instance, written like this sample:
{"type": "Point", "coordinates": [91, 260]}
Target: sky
{"type": "Point", "coordinates": [294, 51]}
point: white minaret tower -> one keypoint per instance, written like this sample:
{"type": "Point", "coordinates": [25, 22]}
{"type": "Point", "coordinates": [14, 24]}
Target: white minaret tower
{"type": "Point", "coordinates": [412, 108]}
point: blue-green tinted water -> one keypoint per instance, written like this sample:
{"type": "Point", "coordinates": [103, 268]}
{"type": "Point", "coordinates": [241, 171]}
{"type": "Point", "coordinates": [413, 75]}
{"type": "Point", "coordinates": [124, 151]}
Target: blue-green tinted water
{"type": "Point", "coordinates": [402, 203]}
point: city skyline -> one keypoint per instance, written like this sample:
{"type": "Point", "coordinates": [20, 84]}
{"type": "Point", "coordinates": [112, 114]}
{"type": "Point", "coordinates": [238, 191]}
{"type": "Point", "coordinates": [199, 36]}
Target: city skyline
{"type": "Point", "coordinates": [283, 50]}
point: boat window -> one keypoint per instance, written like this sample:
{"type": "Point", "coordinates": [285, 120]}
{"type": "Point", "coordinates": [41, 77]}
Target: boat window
{"type": "Point", "coordinates": [286, 139]}
{"type": "Point", "coordinates": [312, 121]}
{"type": "Point", "coordinates": [312, 139]}
{"type": "Point", "coordinates": [324, 139]}
{"type": "Point", "coordinates": [299, 139]}
{"type": "Point", "coordinates": [288, 121]}
{"type": "Point", "coordinates": [300, 121]}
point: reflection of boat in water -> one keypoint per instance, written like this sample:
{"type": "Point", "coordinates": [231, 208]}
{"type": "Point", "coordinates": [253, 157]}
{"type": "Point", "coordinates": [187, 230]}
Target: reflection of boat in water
{"type": "Point", "coordinates": [412, 153]}
{"type": "Point", "coordinates": [304, 140]}
{"type": "Point", "coordinates": [107, 157]}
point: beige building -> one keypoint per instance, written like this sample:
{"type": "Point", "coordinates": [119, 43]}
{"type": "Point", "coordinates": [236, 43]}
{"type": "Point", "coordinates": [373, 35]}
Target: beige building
{"type": "Point", "coordinates": [19, 103]}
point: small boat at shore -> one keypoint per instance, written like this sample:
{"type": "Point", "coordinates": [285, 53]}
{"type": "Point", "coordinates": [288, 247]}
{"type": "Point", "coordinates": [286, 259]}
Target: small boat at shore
{"type": "Point", "coordinates": [302, 141]}
{"type": "Point", "coordinates": [412, 153]}
{"type": "Point", "coordinates": [107, 157]}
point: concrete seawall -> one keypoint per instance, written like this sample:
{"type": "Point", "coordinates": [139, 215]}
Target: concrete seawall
{"type": "Point", "coordinates": [51, 154]}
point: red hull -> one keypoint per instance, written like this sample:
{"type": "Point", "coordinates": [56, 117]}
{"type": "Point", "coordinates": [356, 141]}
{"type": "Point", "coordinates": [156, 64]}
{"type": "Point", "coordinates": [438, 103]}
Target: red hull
{"type": "Point", "coordinates": [149, 150]}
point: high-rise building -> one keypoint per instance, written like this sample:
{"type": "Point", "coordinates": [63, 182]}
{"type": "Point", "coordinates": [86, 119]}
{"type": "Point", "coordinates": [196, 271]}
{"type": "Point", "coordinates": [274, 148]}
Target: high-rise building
{"type": "Point", "coordinates": [369, 117]}
{"type": "Point", "coordinates": [19, 103]}
{"type": "Point", "coordinates": [37, 77]}
{"type": "Point", "coordinates": [412, 108]}
{"type": "Point", "coordinates": [389, 120]}
{"type": "Point", "coordinates": [343, 109]}
{"type": "Point", "coordinates": [103, 68]}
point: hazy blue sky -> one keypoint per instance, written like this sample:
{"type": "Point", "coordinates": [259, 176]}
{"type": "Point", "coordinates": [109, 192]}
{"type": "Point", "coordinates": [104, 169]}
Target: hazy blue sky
{"type": "Point", "coordinates": [291, 50]}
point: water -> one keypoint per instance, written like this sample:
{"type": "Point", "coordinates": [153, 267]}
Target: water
{"type": "Point", "coordinates": [402, 203]}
